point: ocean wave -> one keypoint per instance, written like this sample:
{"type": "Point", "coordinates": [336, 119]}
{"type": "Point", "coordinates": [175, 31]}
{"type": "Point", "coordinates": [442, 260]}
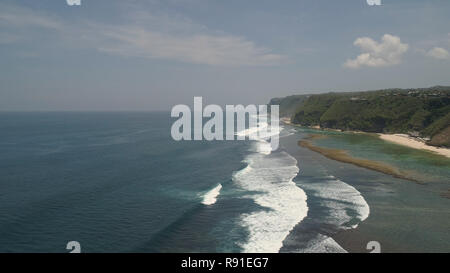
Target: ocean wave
{"type": "Point", "coordinates": [333, 206]}
{"type": "Point", "coordinates": [262, 147]}
{"type": "Point", "coordinates": [262, 131]}
{"type": "Point", "coordinates": [269, 177]}
{"type": "Point", "coordinates": [210, 197]}
{"type": "Point", "coordinates": [323, 244]}
{"type": "Point", "coordinates": [340, 198]}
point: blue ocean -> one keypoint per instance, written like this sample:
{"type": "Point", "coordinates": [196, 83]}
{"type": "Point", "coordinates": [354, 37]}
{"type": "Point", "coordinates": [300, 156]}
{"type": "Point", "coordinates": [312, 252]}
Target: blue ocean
{"type": "Point", "coordinates": [118, 182]}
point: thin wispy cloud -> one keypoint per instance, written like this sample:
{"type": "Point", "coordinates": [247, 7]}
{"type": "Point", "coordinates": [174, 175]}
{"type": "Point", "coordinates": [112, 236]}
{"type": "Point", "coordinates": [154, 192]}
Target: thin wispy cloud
{"type": "Point", "coordinates": [17, 17]}
{"type": "Point", "coordinates": [207, 49]}
{"type": "Point", "coordinates": [21, 26]}
{"type": "Point", "coordinates": [378, 54]}
{"type": "Point", "coordinates": [150, 36]}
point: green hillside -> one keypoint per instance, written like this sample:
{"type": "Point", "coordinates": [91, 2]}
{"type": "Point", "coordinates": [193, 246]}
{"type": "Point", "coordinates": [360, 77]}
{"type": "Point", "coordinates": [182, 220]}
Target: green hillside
{"type": "Point", "coordinates": [421, 112]}
{"type": "Point", "coordinates": [289, 105]}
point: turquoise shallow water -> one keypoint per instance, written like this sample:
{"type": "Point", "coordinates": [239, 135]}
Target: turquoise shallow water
{"type": "Point", "coordinates": [428, 166]}
{"type": "Point", "coordinates": [404, 216]}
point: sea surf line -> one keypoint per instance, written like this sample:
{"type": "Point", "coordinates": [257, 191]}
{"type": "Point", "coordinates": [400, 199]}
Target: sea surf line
{"type": "Point", "coordinates": [268, 180]}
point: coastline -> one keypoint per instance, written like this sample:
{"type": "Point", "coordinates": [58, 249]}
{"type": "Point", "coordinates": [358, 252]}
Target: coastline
{"type": "Point", "coordinates": [411, 142]}
{"type": "Point", "coordinates": [400, 139]}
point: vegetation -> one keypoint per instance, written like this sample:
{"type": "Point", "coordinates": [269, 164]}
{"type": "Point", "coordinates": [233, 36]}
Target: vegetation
{"type": "Point", "coordinates": [289, 105]}
{"type": "Point", "coordinates": [421, 112]}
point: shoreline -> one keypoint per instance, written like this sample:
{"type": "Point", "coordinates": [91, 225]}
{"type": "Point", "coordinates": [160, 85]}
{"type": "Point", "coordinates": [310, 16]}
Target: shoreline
{"type": "Point", "coordinates": [400, 139]}
{"type": "Point", "coordinates": [343, 156]}
{"type": "Point", "coordinates": [414, 143]}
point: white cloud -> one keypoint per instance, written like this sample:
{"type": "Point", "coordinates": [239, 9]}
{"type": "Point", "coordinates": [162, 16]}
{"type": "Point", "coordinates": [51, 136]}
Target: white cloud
{"type": "Point", "coordinates": [199, 48]}
{"type": "Point", "coordinates": [438, 53]}
{"type": "Point", "coordinates": [378, 54]}
{"type": "Point", "coordinates": [147, 36]}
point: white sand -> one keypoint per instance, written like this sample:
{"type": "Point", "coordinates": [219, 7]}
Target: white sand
{"type": "Point", "coordinates": [399, 139]}
{"type": "Point", "coordinates": [413, 143]}
{"type": "Point", "coordinates": [286, 120]}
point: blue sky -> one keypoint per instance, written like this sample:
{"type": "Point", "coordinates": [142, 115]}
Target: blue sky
{"type": "Point", "coordinates": [151, 55]}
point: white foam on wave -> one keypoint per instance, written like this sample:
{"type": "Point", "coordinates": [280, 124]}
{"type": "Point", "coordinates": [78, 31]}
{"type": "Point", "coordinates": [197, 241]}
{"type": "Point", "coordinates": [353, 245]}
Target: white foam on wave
{"type": "Point", "coordinates": [262, 131]}
{"type": "Point", "coordinates": [340, 197]}
{"type": "Point", "coordinates": [323, 244]}
{"type": "Point", "coordinates": [211, 196]}
{"type": "Point", "coordinates": [270, 176]}
{"type": "Point", "coordinates": [262, 147]}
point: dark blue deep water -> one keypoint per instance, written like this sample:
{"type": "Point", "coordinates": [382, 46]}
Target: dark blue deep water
{"type": "Point", "coordinates": [111, 181]}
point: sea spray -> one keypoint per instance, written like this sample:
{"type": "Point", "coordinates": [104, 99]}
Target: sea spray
{"type": "Point", "coordinates": [269, 176]}
{"type": "Point", "coordinates": [283, 203]}
{"type": "Point", "coordinates": [335, 206]}
{"type": "Point", "coordinates": [210, 197]}
{"type": "Point", "coordinates": [339, 197]}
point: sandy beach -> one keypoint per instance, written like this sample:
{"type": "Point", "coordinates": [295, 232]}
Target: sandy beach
{"type": "Point", "coordinates": [400, 139]}
{"type": "Point", "coordinates": [413, 143]}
